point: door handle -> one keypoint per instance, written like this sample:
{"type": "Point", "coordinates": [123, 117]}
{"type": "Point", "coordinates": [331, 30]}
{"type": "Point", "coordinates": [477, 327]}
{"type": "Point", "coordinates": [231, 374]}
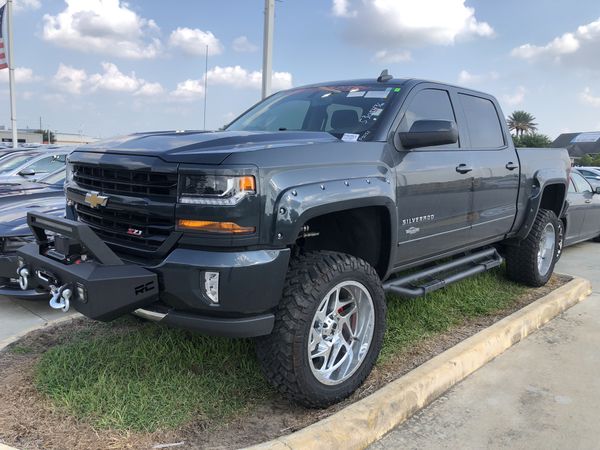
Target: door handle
{"type": "Point", "coordinates": [589, 200]}
{"type": "Point", "coordinates": [463, 168]}
{"type": "Point", "coordinates": [511, 166]}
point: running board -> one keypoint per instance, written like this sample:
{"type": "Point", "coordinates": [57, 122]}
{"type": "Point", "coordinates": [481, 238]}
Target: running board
{"type": "Point", "coordinates": [475, 263]}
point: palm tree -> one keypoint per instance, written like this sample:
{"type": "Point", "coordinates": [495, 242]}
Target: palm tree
{"type": "Point", "coordinates": [521, 122]}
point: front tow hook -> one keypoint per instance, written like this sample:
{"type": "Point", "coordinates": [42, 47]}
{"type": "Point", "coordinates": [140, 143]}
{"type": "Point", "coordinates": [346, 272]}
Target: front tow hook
{"type": "Point", "coordinates": [61, 297]}
{"type": "Point", "coordinates": [23, 274]}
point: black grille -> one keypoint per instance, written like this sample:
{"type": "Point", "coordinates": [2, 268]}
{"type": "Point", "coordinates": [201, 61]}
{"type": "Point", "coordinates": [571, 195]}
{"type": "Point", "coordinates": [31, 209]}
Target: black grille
{"type": "Point", "coordinates": [137, 230]}
{"type": "Point", "coordinates": [125, 182]}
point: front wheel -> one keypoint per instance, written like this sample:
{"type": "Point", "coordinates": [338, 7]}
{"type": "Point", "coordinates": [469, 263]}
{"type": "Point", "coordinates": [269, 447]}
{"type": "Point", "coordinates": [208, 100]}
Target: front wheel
{"type": "Point", "coordinates": [328, 329]}
{"type": "Point", "coordinates": [532, 262]}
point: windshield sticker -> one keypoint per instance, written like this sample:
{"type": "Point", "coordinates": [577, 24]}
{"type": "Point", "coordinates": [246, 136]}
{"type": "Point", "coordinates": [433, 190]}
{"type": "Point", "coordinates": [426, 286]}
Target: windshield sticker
{"type": "Point", "coordinates": [356, 94]}
{"type": "Point", "coordinates": [396, 89]}
{"type": "Point", "coordinates": [378, 94]}
{"type": "Point", "coordinates": [373, 113]}
{"type": "Point", "coordinates": [350, 137]}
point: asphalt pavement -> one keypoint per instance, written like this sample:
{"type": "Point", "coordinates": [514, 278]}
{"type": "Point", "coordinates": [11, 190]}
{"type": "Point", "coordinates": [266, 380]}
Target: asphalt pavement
{"type": "Point", "coordinates": [542, 393]}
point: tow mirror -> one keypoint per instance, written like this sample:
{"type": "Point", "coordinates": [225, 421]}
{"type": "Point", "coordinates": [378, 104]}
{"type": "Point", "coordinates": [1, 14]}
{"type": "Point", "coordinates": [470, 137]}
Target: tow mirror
{"type": "Point", "coordinates": [27, 172]}
{"type": "Point", "coordinates": [427, 133]}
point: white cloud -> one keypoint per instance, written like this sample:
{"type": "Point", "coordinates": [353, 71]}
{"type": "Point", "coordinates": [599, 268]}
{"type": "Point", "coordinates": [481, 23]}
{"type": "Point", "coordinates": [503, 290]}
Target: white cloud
{"type": "Point", "coordinates": [194, 41]}
{"type": "Point", "coordinates": [467, 78]}
{"type": "Point", "coordinates": [239, 77]}
{"type": "Point", "coordinates": [150, 89]}
{"type": "Point", "coordinates": [587, 97]}
{"type": "Point", "coordinates": [516, 98]}
{"type": "Point", "coordinates": [188, 90]}
{"type": "Point", "coordinates": [579, 47]}
{"type": "Point", "coordinates": [77, 81]}
{"type": "Point", "coordinates": [22, 75]}
{"type": "Point", "coordinates": [102, 26]}
{"type": "Point", "coordinates": [241, 44]}
{"type": "Point", "coordinates": [114, 80]}
{"type": "Point", "coordinates": [22, 5]}
{"type": "Point", "coordinates": [341, 8]}
{"type": "Point", "coordinates": [392, 57]}
{"type": "Point", "coordinates": [409, 23]}
{"type": "Point", "coordinates": [70, 79]}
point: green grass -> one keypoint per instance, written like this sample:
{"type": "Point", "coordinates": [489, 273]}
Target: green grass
{"type": "Point", "coordinates": [145, 377]}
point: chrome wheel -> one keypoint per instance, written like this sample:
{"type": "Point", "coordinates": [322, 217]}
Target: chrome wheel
{"type": "Point", "coordinates": [341, 332]}
{"type": "Point", "coordinates": [546, 250]}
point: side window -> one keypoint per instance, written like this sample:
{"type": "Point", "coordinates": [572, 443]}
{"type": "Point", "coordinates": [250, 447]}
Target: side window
{"type": "Point", "coordinates": [429, 104]}
{"type": "Point", "coordinates": [483, 122]}
{"type": "Point", "coordinates": [48, 164]}
{"type": "Point", "coordinates": [572, 186]}
{"type": "Point", "coordinates": [581, 183]}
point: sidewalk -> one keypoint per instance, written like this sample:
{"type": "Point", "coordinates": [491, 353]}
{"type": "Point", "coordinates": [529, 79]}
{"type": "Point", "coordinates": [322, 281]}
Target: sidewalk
{"type": "Point", "coordinates": [543, 393]}
{"type": "Point", "coordinates": [19, 315]}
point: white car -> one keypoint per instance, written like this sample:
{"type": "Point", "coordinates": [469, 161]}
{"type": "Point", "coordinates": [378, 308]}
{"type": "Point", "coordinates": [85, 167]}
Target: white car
{"type": "Point", "coordinates": [31, 165]}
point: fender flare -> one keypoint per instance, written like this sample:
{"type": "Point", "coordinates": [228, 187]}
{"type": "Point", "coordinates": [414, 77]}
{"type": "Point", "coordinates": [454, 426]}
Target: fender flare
{"type": "Point", "coordinates": [542, 180]}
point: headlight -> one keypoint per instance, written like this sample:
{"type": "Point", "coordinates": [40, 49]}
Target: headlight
{"type": "Point", "coordinates": [215, 189]}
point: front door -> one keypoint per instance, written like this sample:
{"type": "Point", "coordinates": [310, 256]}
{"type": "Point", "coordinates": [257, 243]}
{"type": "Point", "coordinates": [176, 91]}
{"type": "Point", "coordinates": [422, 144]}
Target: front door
{"type": "Point", "coordinates": [433, 192]}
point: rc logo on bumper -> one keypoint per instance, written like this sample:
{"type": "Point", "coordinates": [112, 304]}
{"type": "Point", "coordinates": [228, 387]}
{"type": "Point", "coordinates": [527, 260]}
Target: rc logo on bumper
{"type": "Point", "coordinates": [94, 199]}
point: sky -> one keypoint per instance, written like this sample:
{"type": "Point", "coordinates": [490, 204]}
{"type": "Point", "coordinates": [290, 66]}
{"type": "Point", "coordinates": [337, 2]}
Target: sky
{"type": "Point", "coordinates": [109, 67]}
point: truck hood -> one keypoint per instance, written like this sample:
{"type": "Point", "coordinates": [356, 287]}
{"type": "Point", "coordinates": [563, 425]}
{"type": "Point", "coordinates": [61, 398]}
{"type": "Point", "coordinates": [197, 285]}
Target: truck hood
{"type": "Point", "coordinates": [13, 215]}
{"type": "Point", "coordinates": [202, 147]}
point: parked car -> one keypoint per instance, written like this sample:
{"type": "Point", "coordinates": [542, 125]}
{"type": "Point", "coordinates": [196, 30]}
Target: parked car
{"type": "Point", "coordinates": [581, 221]}
{"type": "Point", "coordinates": [592, 174]}
{"type": "Point", "coordinates": [292, 223]}
{"type": "Point", "coordinates": [14, 232]}
{"type": "Point", "coordinates": [31, 165]}
{"type": "Point", "coordinates": [54, 181]}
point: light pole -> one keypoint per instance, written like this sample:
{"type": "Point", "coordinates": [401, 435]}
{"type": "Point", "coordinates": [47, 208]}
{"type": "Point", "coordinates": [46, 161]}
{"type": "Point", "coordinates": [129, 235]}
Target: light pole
{"type": "Point", "coordinates": [11, 73]}
{"type": "Point", "coordinates": [267, 69]}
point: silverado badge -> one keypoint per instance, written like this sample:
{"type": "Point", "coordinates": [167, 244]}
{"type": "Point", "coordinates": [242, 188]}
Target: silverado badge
{"type": "Point", "coordinates": [95, 200]}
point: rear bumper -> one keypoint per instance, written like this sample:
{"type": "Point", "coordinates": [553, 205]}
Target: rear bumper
{"type": "Point", "coordinates": [105, 287]}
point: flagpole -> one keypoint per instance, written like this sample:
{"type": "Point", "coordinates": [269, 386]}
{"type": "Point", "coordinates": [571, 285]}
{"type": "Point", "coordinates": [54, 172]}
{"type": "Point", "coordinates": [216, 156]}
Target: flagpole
{"type": "Point", "coordinates": [11, 73]}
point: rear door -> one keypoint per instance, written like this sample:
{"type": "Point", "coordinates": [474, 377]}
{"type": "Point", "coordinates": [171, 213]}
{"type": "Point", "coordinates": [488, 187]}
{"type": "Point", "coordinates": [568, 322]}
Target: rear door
{"type": "Point", "coordinates": [495, 168]}
{"type": "Point", "coordinates": [433, 198]}
{"type": "Point", "coordinates": [587, 208]}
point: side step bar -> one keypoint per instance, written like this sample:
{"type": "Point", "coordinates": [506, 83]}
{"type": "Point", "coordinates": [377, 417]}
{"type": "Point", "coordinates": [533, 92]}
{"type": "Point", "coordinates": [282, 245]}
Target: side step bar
{"type": "Point", "coordinates": [475, 263]}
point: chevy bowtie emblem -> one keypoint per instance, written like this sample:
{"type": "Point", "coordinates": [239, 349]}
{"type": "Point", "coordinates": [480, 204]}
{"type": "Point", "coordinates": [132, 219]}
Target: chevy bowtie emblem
{"type": "Point", "coordinates": [95, 200]}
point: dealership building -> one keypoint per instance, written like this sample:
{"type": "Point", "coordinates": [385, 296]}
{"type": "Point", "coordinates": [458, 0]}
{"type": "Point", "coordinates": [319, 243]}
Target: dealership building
{"type": "Point", "coordinates": [29, 136]}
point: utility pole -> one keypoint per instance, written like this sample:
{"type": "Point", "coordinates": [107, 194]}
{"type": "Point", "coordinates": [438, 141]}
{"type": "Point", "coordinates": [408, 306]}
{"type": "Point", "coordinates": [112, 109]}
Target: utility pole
{"type": "Point", "coordinates": [11, 73]}
{"type": "Point", "coordinates": [205, 84]}
{"type": "Point", "coordinates": [267, 69]}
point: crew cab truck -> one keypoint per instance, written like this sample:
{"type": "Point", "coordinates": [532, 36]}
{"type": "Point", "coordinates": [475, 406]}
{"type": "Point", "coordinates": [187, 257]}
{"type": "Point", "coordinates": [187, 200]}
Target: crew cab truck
{"type": "Point", "coordinates": [292, 223]}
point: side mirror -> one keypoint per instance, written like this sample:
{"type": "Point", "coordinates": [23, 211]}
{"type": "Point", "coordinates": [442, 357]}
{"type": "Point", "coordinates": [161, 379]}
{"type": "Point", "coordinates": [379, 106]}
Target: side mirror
{"type": "Point", "coordinates": [427, 133]}
{"type": "Point", "coordinates": [597, 190]}
{"type": "Point", "coordinates": [27, 172]}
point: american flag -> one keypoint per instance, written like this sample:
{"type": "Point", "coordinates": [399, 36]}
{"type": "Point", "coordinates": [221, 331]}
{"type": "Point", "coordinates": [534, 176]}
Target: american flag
{"type": "Point", "coordinates": [3, 64]}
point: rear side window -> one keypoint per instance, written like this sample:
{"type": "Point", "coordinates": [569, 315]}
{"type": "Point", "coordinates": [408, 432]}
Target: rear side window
{"type": "Point", "coordinates": [581, 183]}
{"type": "Point", "coordinates": [482, 121]}
{"type": "Point", "coordinates": [429, 104]}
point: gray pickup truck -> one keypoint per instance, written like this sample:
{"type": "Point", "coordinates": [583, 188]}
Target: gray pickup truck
{"type": "Point", "coordinates": [292, 223]}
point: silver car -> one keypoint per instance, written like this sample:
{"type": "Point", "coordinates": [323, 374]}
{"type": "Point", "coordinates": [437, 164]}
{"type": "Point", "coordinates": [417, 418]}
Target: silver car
{"type": "Point", "coordinates": [32, 165]}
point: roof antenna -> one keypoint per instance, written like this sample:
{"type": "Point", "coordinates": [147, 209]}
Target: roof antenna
{"type": "Point", "coordinates": [384, 76]}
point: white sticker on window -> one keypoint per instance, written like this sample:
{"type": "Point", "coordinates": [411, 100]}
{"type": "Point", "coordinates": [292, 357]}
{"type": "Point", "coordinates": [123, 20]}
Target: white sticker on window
{"type": "Point", "coordinates": [350, 137]}
{"type": "Point", "coordinates": [378, 94]}
{"type": "Point", "coordinates": [355, 94]}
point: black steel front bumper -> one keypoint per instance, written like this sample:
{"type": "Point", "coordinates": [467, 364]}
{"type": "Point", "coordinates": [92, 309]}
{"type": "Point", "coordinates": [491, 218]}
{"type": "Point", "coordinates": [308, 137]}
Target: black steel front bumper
{"type": "Point", "coordinates": [9, 288]}
{"type": "Point", "coordinates": [105, 287]}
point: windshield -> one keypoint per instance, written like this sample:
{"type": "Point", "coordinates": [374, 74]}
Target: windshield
{"type": "Point", "coordinates": [54, 178]}
{"type": "Point", "coordinates": [348, 112]}
{"type": "Point", "coordinates": [11, 162]}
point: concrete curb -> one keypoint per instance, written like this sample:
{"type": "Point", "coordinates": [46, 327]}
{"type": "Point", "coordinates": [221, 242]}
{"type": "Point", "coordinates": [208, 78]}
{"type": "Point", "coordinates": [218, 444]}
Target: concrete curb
{"type": "Point", "coordinates": [364, 422]}
{"type": "Point", "coordinates": [15, 337]}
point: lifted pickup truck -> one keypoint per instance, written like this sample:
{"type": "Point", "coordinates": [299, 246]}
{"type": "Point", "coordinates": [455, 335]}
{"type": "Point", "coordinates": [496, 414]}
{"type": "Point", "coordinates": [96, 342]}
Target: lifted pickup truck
{"type": "Point", "coordinates": [291, 223]}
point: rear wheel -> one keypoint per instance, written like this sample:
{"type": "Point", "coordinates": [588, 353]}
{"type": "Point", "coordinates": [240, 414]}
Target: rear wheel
{"type": "Point", "coordinates": [532, 262]}
{"type": "Point", "coordinates": [328, 329]}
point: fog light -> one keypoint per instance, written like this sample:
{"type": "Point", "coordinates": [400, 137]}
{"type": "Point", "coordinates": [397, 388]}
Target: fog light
{"type": "Point", "coordinates": [211, 285]}
{"type": "Point", "coordinates": [81, 293]}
